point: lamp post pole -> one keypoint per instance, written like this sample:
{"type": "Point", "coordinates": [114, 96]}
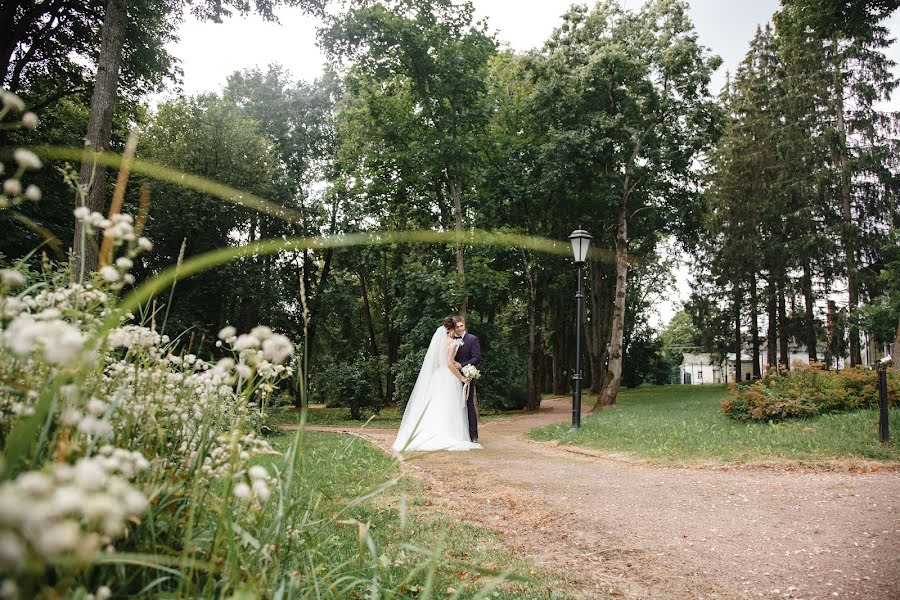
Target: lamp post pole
{"type": "Point", "coordinates": [581, 242]}
{"type": "Point", "coordinates": [576, 391]}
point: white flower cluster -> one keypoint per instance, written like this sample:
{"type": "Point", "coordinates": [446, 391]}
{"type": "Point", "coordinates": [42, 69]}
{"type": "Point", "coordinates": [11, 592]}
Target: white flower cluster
{"type": "Point", "coordinates": [76, 303]}
{"type": "Point", "coordinates": [257, 490]}
{"type": "Point", "coordinates": [260, 352]}
{"type": "Point", "coordinates": [13, 192]}
{"type": "Point", "coordinates": [119, 229]}
{"type": "Point", "coordinates": [134, 337]}
{"type": "Point", "coordinates": [141, 395]}
{"type": "Point", "coordinates": [58, 341]}
{"type": "Point", "coordinates": [69, 510]}
{"type": "Point", "coordinates": [233, 454]}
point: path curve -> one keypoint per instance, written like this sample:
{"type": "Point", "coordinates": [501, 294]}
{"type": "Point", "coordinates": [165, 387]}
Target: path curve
{"type": "Point", "coordinates": [624, 528]}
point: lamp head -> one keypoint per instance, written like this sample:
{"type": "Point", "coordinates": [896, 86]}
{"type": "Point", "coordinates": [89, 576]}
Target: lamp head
{"type": "Point", "coordinates": [581, 241]}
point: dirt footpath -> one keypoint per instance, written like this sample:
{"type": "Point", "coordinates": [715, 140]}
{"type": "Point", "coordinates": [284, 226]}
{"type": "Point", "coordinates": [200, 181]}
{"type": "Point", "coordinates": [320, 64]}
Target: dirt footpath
{"type": "Point", "coordinates": [625, 528]}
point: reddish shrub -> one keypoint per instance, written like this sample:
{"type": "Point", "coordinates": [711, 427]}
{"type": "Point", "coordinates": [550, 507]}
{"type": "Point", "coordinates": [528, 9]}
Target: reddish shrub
{"type": "Point", "coordinates": [807, 391]}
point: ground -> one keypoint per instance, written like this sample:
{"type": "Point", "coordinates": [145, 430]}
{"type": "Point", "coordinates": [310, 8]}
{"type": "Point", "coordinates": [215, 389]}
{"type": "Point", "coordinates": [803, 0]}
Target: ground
{"type": "Point", "coordinates": [624, 528]}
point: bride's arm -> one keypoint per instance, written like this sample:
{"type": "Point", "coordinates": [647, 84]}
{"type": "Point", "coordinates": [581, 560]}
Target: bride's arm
{"type": "Point", "coordinates": [451, 363]}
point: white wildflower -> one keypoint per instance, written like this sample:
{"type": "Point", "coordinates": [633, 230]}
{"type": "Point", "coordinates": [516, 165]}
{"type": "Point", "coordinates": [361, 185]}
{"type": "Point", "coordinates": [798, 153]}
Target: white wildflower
{"type": "Point", "coordinates": [34, 483]}
{"type": "Point", "coordinates": [109, 273]}
{"type": "Point", "coordinates": [30, 121]}
{"type": "Point", "coordinates": [145, 244]}
{"type": "Point", "coordinates": [12, 102]}
{"type": "Point", "coordinates": [242, 491]}
{"type": "Point", "coordinates": [11, 278]}
{"type": "Point", "coordinates": [67, 500]}
{"type": "Point", "coordinates": [96, 406]}
{"type": "Point", "coordinates": [59, 340]}
{"type": "Point", "coordinates": [261, 332]}
{"type": "Point", "coordinates": [89, 475]}
{"type": "Point", "coordinates": [261, 490]}
{"type": "Point", "coordinates": [277, 348]}
{"type": "Point", "coordinates": [258, 472]}
{"type": "Point", "coordinates": [71, 416]}
{"type": "Point", "coordinates": [245, 342]}
{"type": "Point", "coordinates": [227, 333]}
{"type": "Point", "coordinates": [124, 263]}
{"type": "Point", "coordinates": [62, 343]}
{"type": "Point", "coordinates": [12, 552]}
{"type": "Point", "coordinates": [82, 213]}
{"type": "Point", "coordinates": [58, 538]}
{"type": "Point", "coordinates": [243, 371]}
{"type": "Point", "coordinates": [33, 193]}
{"type": "Point", "coordinates": [103, 593]}
{"type": "Point", "coordinates": [12, 187]}
{"type": "Point", "coordinates": [27, 159]}
{"type": "Point", "coordinates": [135, 503]}
{"type": "Point", "coordinates": [225, 365]}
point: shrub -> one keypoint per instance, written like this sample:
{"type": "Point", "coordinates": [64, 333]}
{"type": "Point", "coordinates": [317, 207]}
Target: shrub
{"type": "Point", "coordinates": [502, 384]}
{"type": "Point", "coordinates": [807, 391]}
{"type": "Point", "coordinates": [354, 384]}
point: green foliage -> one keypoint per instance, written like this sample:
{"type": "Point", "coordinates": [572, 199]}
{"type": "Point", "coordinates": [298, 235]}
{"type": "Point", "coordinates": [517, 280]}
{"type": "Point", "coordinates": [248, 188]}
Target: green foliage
{"type": "Point", "coordinates": [353, 384]}
{"type": "Point", "coordinates": [806, 392]}
{"type": "Point", "coordinates": [502, 385]}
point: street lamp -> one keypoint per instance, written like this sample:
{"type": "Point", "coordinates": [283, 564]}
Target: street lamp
{"type": "Point", "coordinates": [581, 241]}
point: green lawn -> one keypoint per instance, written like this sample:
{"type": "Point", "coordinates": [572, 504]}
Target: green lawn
{"type": "Point", "coordinates": [412, 546]}
{"type": "Point", "coordinates": [684, 423]}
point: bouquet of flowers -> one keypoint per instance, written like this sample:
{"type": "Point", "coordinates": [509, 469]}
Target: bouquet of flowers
{"type": "Point", "coordinates": [470, 372]}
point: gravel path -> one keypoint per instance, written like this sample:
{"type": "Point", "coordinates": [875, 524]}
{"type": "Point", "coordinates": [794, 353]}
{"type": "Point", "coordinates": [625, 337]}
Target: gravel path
{"type": "Point", "coordinates": [621, 528]}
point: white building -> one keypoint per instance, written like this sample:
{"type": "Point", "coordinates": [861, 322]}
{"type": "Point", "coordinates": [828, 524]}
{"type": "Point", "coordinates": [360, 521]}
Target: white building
{"type": "Point", "coordinates": [699, 368]}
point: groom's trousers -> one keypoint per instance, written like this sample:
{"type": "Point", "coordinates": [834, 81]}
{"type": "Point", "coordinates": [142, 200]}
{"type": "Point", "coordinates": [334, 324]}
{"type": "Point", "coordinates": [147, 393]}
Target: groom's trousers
{"type": "Point", "coordinates": [472, 412]}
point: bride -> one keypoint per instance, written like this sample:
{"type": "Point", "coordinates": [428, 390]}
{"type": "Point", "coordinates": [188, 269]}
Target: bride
{"type": "Point", "coordinates": [435, 416]}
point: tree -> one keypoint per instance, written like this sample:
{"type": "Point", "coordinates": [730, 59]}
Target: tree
{"type": "Point", "coordinates": [150, 16]}
{"type": "Point", "coordinates": [625, 97]}
{"type": "Point", "coordinates": [432, 51]}
{"type": "Point", "coordinates": [214, 138]}
{"type": "Point", "coordinates": [851, 42]}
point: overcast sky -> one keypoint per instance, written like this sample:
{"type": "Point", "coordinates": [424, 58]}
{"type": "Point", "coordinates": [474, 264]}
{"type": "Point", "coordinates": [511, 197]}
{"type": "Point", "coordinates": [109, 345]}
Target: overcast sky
{"type": "Point", "coordinates": [209, 52]}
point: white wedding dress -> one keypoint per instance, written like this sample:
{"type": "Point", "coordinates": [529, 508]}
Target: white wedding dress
{"type": "Point", "coordinates": [435, 416]}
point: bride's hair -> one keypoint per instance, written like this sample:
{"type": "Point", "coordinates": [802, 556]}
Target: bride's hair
{"type": "Point", "coordinates": [449, 323]}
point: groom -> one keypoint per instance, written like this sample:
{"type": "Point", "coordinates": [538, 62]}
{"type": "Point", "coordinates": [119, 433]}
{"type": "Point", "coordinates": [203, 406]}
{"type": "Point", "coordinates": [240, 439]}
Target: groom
{"type": "Point", "coordinates": [468, 354]}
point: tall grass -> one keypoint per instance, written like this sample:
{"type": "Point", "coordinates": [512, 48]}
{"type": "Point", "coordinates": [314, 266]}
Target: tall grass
{"type": "Point", "coordinates": [684, 423]}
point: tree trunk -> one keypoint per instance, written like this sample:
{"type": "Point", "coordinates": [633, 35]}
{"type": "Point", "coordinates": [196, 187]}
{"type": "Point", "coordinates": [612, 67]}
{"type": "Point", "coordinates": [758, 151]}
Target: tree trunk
{"type": "Point", "coordinates": [896, 349]}
{"type": "Point", "coordinates": [613, 378]}
{"type": "Point", "coordinates": [602, 296]}
{"type": "Point", "coordinates": [784, 357]}
{"type": "Point", "coordinates": [534, 343]}
{"type": "Point", "coordinates": [92, 176]}
{"type": "Point", "coordinates": [772, 330]}
{"type": "Point", "coordinates": [559, 341]}
{"type": "Point", "coordinates": [848, 237]}
{"type": "Point", "coordinates": [367, 308]}
{"type": "Point", "coordinates": [754, 326]}
{"type": "Point", "coordinates": [737, 335]}
{"type": "Point", "coordinates": [830, 354]}
{"type": "Point", "coordinates": [810, 315]}
{"type": "Point", "coordinates": [455, 194]}
{"type": "Point", "coordinates": [390, 352]}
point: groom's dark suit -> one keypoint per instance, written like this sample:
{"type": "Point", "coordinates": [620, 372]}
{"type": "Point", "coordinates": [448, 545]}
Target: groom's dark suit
{"type": "Point", "coordinates": [470, 354]}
